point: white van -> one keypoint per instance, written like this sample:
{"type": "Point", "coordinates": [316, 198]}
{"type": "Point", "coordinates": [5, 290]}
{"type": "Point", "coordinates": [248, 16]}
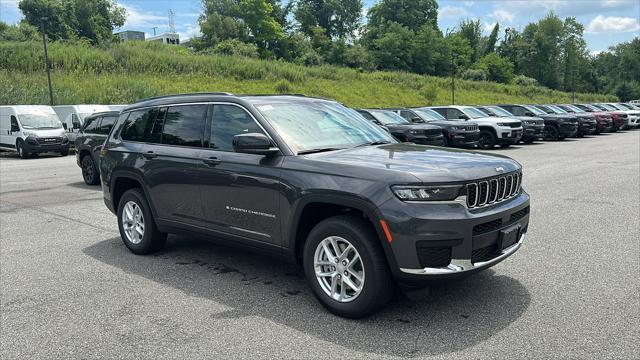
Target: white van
{"type": "Point", "coordinates": [32, 129]}
{"type": "Point", "coordinates": [72, 116]}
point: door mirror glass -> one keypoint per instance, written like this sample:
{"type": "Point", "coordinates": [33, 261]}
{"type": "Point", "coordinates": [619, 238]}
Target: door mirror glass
{"type": "Point", "coordinates": [416, 119]}
{"type": "Point", "coordinates": [64, 125]}
{"type": "Point", "coordinates": [253, 143]}
{"type": "Point", "coordinates": [464, 117]}
{"type": "Point", "coordinates": [529, 113]}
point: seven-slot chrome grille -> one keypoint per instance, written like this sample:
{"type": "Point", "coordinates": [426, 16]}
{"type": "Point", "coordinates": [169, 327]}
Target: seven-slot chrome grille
{"type": "Point", "coordinates": [471, 127]}
{"type": "Point", "coordinates": [494, 190]}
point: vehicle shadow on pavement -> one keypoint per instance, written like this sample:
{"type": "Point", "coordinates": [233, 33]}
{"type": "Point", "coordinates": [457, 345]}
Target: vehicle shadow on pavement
{"type": "Point", "coordinates": [454, 316]}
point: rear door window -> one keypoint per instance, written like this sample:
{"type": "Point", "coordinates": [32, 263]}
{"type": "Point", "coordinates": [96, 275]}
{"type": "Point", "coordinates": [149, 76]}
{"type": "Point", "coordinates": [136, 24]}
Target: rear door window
{"type": "Point", "coordinates": [184, 125]}
{"type": "Point", "coordinates": [138, 126]}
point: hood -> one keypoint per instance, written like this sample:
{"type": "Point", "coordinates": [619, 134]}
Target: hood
{"type": "Point", "coordinates": [429, 164]}
{"type": "Point", "coordinates": [506, 119]}
{"type": "Point", "coordinates": [450, 123]}
{"type": "Point", "coordinates": [404, 127]}
{"type": "Point", "coordinates": [45, 132]}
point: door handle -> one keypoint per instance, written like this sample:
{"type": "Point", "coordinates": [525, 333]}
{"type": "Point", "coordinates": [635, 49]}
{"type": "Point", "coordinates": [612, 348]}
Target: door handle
{"type": "Point", "coordinates": [212, 161]}
{"type": "Point", "coordinates": [150, 155]}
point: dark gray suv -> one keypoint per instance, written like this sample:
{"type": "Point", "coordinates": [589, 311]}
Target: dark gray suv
{"type": "Point", "coordinates": [310, 181]}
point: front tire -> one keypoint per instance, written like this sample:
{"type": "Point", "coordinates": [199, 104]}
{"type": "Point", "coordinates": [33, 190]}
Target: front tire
{"type": "Point", "coordinates": [89, 171]}
{"type": "Point", "coordinates": [22, 152]}
{"type": "Point", "coordinates": [487, 140]}
{"type": "Point", "coordinates": [346, 267]}
{"type": "Point", "coordinates": [64, 152]}
{"type": "Point", "coordinates": [137, 226]}
{"type": "Point", "coordinates": [551, 133]}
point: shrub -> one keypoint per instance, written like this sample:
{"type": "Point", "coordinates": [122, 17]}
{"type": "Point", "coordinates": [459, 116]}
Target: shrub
{"type": "Point", "coordinates": [235, 47]}
{"type": "Point", "coordinates": [525, 81]}
{"type": "Point", "coordinates": [474, 75]}
{"type": "Point", "coordinates": [283, 87]}
{"type": "Point", "coordinates": [498, 69]}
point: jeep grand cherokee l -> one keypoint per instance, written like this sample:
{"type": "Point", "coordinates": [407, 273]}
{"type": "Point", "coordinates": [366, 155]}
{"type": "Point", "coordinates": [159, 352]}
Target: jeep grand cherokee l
{"type": "Point", "coordinates": [603, 120]}
{"type": "Point", "coordinates": [533, 127]}
{"type": "Point", "coordinates": [310, 180]}
{"type": "Point", "coordinates": [556, 127]}
{"type": "Point", "coordinates": [456, 133]}
{"type": "Point", "coordinates": [586, 122]}
{"type": "Point", "coordinates": [89, 142]}
{"type": "Point", "coordinates": [402, 129]}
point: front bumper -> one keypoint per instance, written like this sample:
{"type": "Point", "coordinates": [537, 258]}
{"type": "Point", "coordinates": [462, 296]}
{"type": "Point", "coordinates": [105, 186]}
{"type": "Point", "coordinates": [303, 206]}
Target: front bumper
{"type": "Point", "coordinates": [587, 128]}
{"type": "Point", "coordinates": [533, 132]}
{"type": "Point", "coordinates": [568, 129]}
{"type": "Point", "coordinates": [446, 240]}
{"type": "Point", "coordinates": [437, 140]}
{"type": "Point", "coordinates": [37, 147]}
{"type": "Point", "coordinates": [466, 139]}
{"type": "Point", "coordinates": [510, 136]}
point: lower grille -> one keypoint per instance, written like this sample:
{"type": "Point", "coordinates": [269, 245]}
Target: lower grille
{"type": "Point", "coordinates": [519, 214]}
{"type": "Point", "coordinates": [434, 132]}
{"type": "Point", "coordinates": [485, 254]}
{"type": "Point", "coordinates": [487, 227]}
{"type": "Point", "coordinates": [50, 141]}
{"type": "Point", "coordinates": [434, 256]}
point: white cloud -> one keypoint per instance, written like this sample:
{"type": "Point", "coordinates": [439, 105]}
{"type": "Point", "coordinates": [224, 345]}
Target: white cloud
{"type": "Point", "coordinates": [468, 3]}
{"type": "Point", "coordinates": [612, 24]}
{"type": "Point", "coordinates": [596, 52]}
{"type": "Point", "coordinates": [452, 11]}
{"type": "Point", "coordinates": [140, 18]}
{"type": "Point", "coordinates": [190, 32]}
{"type": "Point", "coordinates": [503, 16]}
{"type": "Point", "coordinates": [488, 27]}
{"type": "Point", "coordinates": [9, 11]}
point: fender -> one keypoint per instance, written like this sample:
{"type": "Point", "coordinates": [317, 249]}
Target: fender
{"type": "Point", "coordinates": [339, 199]}
{"type": "Point", "coordinates": [122, 173]}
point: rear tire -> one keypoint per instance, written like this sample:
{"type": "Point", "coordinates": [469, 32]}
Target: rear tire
{"type": "Point", "coordinates": [24, 154]}
{"type": "Point", "coordinates": [137, 226]}
{"type": "Point", "coordinates": [64, 152]}
{"type": "Point", "coordinates": [370, 272]}
{"type": "Point", "coordinates": [527, 141]}
{"type": "Point", "coordinates": [89, 171]}
{"type": "Point", "coordinates": [487, 140]}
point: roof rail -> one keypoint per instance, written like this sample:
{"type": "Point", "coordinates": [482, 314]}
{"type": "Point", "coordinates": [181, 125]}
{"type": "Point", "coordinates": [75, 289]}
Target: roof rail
{"type": "Point", "coordinates": [189, 94]}
{"type": "Point", "coordinates": [293, 94]}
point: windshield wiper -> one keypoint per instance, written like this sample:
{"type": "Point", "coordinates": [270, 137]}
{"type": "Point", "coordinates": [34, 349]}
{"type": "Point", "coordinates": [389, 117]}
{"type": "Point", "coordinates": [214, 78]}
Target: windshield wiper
{"type": "Point", "coordinates": [313, 151]}
{"type": "Point", "coordinates": [371, 143]}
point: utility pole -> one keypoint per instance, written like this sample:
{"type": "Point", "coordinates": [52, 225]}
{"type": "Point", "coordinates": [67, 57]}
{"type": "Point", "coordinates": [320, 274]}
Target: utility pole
{"type": "Point", "coordinates": [46, 58]}
{"type": "Point", "coordinates": [453, 81]}
{"type": "Point", "coordinates": [154, 30]}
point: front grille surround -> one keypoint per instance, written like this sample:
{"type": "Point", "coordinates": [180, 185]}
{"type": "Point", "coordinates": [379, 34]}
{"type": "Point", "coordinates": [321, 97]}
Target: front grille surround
{"type": "Point", "coordinates": [471, 128]}
{"type": "Point", "coordinates": [490, 191]}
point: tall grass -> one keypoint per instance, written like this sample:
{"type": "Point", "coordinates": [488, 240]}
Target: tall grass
{"type": "Point", "coordinates": [127, 72]}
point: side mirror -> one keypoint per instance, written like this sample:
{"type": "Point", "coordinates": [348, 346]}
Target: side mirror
{"type": "Point", "coordinates": [464, 117]}
{"type": "Point", "coordinates": [76, 126]}
{"type": "Point", "coordinates": [416, 120]}
{"type": "Point", "coordinates": [64, 125]}
{"type": "Point", "coordinates": [15, 128]}
{"type": "Point", "coordinates": [529, 113]}
{"type": "Point", "coordinates": [254, 143]}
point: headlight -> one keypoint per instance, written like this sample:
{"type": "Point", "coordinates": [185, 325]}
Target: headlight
{"type": "Point", "coordinates": [29, 133]}
{"type": "Point", "coordinates": [459, 127]}
{"type": "Point", "coordinates": [427, 193]}
{"type": "Point", "coordinates": [65, 139]}
{"type": "Point", "coordinates": [415, 132]}
{"type": "Point", "coordinates": [504, 124]}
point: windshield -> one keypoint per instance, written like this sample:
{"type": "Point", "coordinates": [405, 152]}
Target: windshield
{"type": "Point", "coordinates": [618, 107]}
{"type": "Point", "coordinates": [315, 125]}
{"type": "Point", "coordinates": [574, 108]}
{"type": "Point", "coordinates": [534, 110]}
{"type": "Point", "coordinates": [474, 113]}
{"type": "Point", "coordinates": [557, 109]}
{"type": "Point", "coordinates": [607, 107]}
{"type": "Point", "coordinates": [499, 111]}
{"type": "Point", "coordinates": [40, 121]}
{"type": "Point", "coordinates": [388, 117]}
{"type": "Point", "coordinates": [428, 114]}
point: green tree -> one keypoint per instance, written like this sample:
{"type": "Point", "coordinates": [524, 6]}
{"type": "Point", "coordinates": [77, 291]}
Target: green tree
{"type": "Point", "coordinates": [497, 68]}
{"type": "Point", "coordinates": [574, 53]}
{"type": "Point", "coordinates": [491, 42]}
{"type": "Point", "coordinates": [542, 56]}
{"type": "Point", "coordinates": [392, 48]}
{"type": "Point", "coordinates": [428, 51]}
{"type": "Point", "coordinates": [257, 15]}
{"type": "Point", "coordinates": [411, 14]}
{"type": "Point", "coordinates": [338, 18]}
{"type": "Point", "coordinates": [471, 30]}
{"type": "Point", "coordinates": [93, 20]}
{"type": "Point", "coordinates": [220, 21]}
{"type": "Point", "coordinates": [20, 32]}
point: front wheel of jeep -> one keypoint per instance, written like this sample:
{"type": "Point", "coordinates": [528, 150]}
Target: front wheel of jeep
{"type": "Point", "coordinates": [551, 133]}
{"type": "Point", "coordinates": [346, 267]}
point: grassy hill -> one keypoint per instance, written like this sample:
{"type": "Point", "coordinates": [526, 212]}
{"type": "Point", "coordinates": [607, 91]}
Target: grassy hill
{"type": "Point", "coordinates": [131, 71]}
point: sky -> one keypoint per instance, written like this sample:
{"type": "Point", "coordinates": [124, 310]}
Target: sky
{"type": "Point", "coordinates": [607, 22]}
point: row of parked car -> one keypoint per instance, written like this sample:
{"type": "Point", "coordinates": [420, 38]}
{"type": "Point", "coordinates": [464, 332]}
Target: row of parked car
{"type": "Point", "coordinates": [34, 129]}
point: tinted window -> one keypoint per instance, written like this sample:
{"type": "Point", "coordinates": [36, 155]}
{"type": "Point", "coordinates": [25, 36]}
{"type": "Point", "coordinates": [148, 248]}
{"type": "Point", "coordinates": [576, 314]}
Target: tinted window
{"type": "Point", "coordinates": [156, 128]}
{"type": "Point", "coordinates": [228, 121]}
{"type": "Point", "coordinates": [518, 111]}
{"type": "Point", "coordinates": [183, 125]}
{"type": "Point", "coordinates": [91, 124]}
{"type": "Point", "coordinates": [138, 125]}
{"type": "Point", "coordinates": [453, 114]}
{"type": "Point", "coordinates": [407, 114]}
{"type": "Point", "coordinates": [367, 115]}
{"type": "Point", "coordinates": [106, 124]}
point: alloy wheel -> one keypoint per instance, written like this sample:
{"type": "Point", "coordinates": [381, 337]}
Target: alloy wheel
{"type": "Point", "coordinates": [87, 170]}
{"type": "Point", "coordinates": [133, 222]}
{"type": "Point", "coordinates": [339, 269]}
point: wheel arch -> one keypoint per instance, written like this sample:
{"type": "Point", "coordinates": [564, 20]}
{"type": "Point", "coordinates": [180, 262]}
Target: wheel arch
{"type": "Point", "coordinates": [123, 180]}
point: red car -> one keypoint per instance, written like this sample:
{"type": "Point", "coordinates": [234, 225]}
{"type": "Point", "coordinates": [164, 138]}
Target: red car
{"type": "Point", "coordinates": [604, 120]}
{"type": "Point", "coordinates": [619, 118]}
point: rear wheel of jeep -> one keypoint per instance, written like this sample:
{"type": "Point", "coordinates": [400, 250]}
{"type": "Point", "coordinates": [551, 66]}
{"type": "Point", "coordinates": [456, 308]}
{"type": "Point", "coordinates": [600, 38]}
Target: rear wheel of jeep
{"type": "Point", "coordinates": [487, 140]}
{"type": "Point", "coordinates": [89, 172]}
{"type": "Point", "coordinates": [137, 227]}
{"type": "Point", "coordinates": [346, 267]}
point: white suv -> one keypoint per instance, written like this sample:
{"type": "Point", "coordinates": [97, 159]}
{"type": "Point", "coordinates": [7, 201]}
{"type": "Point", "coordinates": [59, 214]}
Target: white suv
{"type": "Point", "coordinates": [633, 115]}
{"type": "Point", "coordinates": [493, 130]}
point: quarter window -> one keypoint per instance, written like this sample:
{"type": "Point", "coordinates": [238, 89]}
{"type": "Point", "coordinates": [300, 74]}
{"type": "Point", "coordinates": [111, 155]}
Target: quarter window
{"type": "Point", "coordinates": [91, 124]}
{"type": "Point", "coordinates": [138, 126]}
{"type": "Point", "coordinates": [183, 125]}
{"type": "Point", "coordinates": [229, 121]}
{"type": "Point", "coordinates": [106, 124]}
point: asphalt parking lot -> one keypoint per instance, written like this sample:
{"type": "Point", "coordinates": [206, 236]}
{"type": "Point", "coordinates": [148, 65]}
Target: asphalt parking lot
{"type": "Point", "coordinates": [70, 289]}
